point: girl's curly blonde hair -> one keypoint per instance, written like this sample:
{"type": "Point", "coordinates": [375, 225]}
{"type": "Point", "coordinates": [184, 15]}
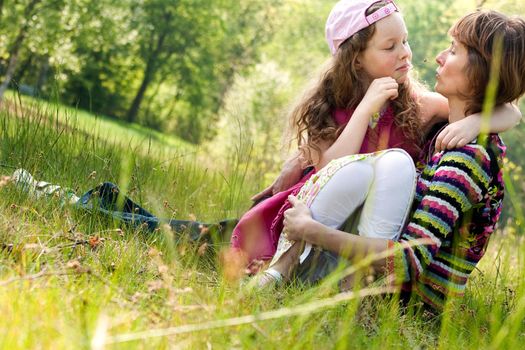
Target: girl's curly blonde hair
{"type": "Point", "coordinates": [343, 86]}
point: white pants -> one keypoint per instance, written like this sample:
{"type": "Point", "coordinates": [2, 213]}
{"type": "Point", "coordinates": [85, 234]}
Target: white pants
{"type": "Point", "coordinates": [383, 183]}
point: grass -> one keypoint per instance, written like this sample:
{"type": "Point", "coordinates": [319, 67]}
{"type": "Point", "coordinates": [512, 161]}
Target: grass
{"type": "Point", "coordinates": [110, 129]}
{"type": "Point", "coordinates": [73, 280]}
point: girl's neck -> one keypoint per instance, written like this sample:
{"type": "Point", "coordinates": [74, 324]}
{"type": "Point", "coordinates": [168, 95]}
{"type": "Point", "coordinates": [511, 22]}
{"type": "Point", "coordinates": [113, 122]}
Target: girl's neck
{"type": "Point", "coordinates": [457, 110]}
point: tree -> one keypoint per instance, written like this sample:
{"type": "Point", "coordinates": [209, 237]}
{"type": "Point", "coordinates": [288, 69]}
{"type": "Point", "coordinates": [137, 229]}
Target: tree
{"type": "Point", "coordinates": [234, 36]}
{"type": "Point", "coordinates": [28, 13]}
{"type": "Point", "coordinates": [195, 48]}
{"type": "Point", "coordinates": [41, 39]}
{"type": "Point", "coordinates": [103, 43]}
{"type": "Point", "coordinates": [166, 29]}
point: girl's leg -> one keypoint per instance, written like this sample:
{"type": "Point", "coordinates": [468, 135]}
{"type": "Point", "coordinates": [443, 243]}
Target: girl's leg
{"type": "Point", "coordinates": [390, 197]}
{"type": "Point", "coordinates": [335, 202]}
{"type": "Point", "coordinates": [385, 209]}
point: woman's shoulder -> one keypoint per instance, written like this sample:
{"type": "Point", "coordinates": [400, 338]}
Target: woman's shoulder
{"type": "Point", "coordinates": [483, 147]}
{"type": "Point", "coordinates": [483, 155]}
{"type": "Point", "coordinates": [490, 146]}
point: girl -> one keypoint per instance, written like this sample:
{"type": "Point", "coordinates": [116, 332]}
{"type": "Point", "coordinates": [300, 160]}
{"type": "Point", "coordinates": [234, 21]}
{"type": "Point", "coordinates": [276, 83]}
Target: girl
{"type": "Point", "coordinates": [459, 193]}
{"type": "Point", "coordinates": [366, 101]}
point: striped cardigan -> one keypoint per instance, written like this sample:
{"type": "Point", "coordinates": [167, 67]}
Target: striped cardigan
{"type": "Point", "coordinates": [457, 204]}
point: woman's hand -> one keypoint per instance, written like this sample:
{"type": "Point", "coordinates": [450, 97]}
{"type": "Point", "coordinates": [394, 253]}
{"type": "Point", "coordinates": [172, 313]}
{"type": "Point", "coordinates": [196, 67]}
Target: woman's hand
{"type": "Point", "coordinates": [297, 220]}
{"type": "Point", "coordinates": [458, 134]}
{"type": "Point", "coordinates": [379, 92]}
{"type": "Point", "coordinates": [289, 176]}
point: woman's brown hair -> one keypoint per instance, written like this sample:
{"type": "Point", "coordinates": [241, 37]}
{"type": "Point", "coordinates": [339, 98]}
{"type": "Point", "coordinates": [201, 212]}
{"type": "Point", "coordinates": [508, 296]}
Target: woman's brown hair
{"type": "Point", "coordinates": [479, 31]}
{"type": "Point", "coordinates": [344, 86]}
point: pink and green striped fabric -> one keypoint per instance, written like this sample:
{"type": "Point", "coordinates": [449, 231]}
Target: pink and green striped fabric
{"type": "Point", "coordinates": [457, 205]}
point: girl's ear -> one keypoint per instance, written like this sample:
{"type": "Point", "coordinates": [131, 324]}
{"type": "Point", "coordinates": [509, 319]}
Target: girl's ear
{"type": "Point", "coordinates": [357, 62]}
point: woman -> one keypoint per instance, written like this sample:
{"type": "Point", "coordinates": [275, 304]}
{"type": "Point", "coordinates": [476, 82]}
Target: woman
{"type": "Point", "coordinates": [459, 193]}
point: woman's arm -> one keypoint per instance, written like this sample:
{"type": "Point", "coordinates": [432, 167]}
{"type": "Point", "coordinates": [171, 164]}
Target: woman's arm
{"type": "Point", "coordinates": [300, 226]}
{"type": "Point", "coordinates": [453, 189]}
{"type": "Point", "coordinates": [290, 174]}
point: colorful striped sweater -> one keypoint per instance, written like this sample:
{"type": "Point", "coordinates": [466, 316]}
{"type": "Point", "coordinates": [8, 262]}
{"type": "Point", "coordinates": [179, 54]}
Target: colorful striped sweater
{"type": "Point", "coordinates": [457, 205]}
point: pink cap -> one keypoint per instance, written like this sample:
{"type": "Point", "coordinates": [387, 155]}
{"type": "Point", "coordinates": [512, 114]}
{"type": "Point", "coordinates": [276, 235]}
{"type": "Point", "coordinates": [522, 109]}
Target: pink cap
{"type": "Point", "coordinates": [348, 17]}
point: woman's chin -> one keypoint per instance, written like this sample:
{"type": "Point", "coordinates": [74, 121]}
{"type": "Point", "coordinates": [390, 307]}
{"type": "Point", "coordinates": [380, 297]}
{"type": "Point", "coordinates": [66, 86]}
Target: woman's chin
{"type": "Point", "coordinates": [438, 89]}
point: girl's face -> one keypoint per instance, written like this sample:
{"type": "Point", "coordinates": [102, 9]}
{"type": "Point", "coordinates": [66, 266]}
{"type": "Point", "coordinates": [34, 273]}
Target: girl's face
{"type": "Point", "coordinates": [387, 53]}
{"type": "Point", "coordinates": [451, 80]}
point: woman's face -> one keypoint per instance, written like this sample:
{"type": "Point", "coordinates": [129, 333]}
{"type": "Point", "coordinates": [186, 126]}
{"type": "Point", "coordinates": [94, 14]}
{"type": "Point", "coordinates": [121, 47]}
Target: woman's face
{"type": "Point", "coordinates": [451, 80]}
{"type": "Point", "coordinates": [387, 53]}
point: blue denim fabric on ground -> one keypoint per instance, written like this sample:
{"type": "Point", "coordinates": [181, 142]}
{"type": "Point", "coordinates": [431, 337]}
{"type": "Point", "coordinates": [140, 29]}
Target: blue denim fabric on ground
{"type": "Point", "coordinates": [105, 199]}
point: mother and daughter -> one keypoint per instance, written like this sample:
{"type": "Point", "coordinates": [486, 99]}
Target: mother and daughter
{"type": "Point", "coordinates": [458, 192]}
{"type": "Point", "coordinates": [360, 132]}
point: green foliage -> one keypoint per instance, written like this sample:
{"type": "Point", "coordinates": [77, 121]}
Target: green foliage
{"type": "Point", "coordinates": [253, 121]}
{"type": "Point", "coordinates": [102, 43]}
{"type": "Point", "coordinates": [170, 64]}
{"type": "Point", "coordinates": [165, 64]}
{"type": "Point", "coordinates": [229, 42]}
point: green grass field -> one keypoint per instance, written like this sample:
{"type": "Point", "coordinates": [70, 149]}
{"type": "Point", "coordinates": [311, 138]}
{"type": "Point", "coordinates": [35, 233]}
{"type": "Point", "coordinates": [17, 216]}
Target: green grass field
{"type": "Point", "coordinates": [71, 280]}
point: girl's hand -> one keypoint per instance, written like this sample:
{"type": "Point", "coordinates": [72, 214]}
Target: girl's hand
{"type": "Point", "coordinates": [458, 134]}
{"type": "Point", "coordinates": [379, 92]}
{"type": "Point", "coordinates": [297, 220]}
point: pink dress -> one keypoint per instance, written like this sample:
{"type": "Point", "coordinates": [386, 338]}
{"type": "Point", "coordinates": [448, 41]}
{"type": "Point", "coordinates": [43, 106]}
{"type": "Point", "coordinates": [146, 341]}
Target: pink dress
{"type": "Point", "coordinates": [258, 230]}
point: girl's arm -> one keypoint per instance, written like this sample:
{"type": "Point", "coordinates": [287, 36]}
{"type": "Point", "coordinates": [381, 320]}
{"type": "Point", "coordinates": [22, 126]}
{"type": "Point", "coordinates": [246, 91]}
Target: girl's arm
{"type": "Point", "coordinates": [434, 109]}
{"type": "Point", "coordinates": [351, 138]}
{"type": "Point", "coordinates": [458, 134]}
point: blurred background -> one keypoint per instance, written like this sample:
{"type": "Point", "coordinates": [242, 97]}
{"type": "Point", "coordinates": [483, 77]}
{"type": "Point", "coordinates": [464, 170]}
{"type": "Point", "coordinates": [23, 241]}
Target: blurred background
{"type": "Point", "coordinates": [220, 74]}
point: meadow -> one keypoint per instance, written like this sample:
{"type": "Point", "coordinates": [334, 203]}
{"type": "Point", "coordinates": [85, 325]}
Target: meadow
{"type": "Point", "coordinates": [71, 279]}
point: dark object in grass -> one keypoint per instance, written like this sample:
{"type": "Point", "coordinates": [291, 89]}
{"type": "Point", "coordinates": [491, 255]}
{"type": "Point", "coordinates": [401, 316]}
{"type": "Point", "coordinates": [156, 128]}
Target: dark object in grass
{"type": "Point", "coordinates": [107, 200]}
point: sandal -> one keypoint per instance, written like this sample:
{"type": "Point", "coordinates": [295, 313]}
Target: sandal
{"type": "Point", "coordinates": [40, 189]}
{"type": "Point", "coordinates": [269, 278]}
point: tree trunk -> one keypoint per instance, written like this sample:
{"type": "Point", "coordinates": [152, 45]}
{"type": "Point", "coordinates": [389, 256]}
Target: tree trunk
{"type": "Point", "coordinates": [13, 60]}
{"type": "Point", "coordinates": [42, 75]}
{"type": "Point", "coordinates": [149, 74]}
{"type": "Point", "coordinates": [153, 95]}
{"type": "Point", "coordinates": [15, 49]}
{"type": "Point", "coordinates": [24, 67]}
{"type": "Point", "coordinates": [135, 106]}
